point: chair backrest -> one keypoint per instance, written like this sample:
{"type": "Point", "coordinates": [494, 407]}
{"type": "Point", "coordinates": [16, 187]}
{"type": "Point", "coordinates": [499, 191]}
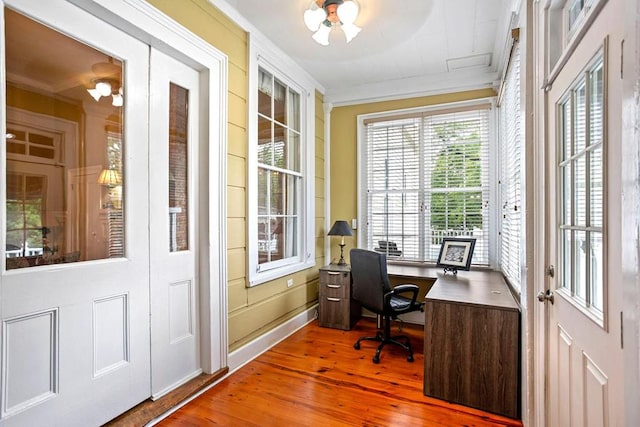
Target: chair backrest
{"type": "Point", "coordinates": [369, 278]}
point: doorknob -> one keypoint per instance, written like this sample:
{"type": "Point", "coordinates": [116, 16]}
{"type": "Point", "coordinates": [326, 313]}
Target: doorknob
{"type": "Point", "coordinates": [545, 296]}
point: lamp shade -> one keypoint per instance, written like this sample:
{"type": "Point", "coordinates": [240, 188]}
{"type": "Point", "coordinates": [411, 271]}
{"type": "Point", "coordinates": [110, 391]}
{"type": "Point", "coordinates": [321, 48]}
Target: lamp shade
{"type": "Point", "coordinates": [348, 12]}
{"type": "Point", "coordinates": [322, 35]}
{"type": "Point", "coordinates": [350, 31]}
{"type": "Point", "coordinates": [340, 228]}
{"type": "Point", "coordinates": [110, 177]}
{"type": "Point", "coordinates": [314, 16]}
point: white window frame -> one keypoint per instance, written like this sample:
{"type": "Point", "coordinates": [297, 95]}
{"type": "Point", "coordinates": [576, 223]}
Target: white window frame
{"type": "Point", "coordinates": [262, 58]}
{"type": "Point", "coordinates": [512, 181]}
{"type": "Point", "coordinates": [492, 214]}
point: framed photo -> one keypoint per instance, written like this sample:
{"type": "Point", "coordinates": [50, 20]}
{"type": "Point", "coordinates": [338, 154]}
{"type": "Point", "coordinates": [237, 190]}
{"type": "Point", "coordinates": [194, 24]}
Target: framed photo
{"type": "Point", "coordinates": [456, 254]}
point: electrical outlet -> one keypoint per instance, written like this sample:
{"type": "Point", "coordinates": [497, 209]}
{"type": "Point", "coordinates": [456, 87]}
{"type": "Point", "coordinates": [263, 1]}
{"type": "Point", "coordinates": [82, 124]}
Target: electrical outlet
{"type": "Point", "coordinates": [289, 283]}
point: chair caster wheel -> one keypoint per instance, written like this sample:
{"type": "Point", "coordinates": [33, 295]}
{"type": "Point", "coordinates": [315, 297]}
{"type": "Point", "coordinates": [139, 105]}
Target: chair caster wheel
{"type": "Point", "coordinates": [376, 359]}
{"type": "Point", "coordinates": [410, 358]}
{"type": "Point", "coordinates": [357, 346]}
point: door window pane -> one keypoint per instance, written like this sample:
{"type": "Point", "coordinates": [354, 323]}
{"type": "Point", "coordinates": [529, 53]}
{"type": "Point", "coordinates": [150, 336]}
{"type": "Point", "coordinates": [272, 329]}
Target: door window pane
{"type": "Point", "coordinates": [178, 169]}
{"type": "Point", "coordinates": [64, 174]}
{"type": "Point", "coordinates": [580, 186]}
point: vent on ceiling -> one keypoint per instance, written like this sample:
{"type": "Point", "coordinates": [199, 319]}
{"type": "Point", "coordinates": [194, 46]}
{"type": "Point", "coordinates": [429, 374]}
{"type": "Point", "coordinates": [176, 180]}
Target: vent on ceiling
{"type": "Point", "coordinates": [472, 61]}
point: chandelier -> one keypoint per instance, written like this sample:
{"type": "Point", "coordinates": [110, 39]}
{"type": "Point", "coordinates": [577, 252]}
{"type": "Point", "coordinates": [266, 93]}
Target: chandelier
{"type": "Point", "coordinates": [108, 82]}
{"type": "Point", "coordinates": [107, 87]}
{"type": "Point", "coordinates": [322, 16]}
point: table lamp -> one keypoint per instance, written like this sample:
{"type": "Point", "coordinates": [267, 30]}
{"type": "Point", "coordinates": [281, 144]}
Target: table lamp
{"type": "Point", "coordinates": [341, 228]}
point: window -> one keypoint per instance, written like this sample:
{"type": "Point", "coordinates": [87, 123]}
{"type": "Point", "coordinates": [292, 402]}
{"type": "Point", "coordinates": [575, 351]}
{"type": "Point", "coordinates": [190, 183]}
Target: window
{"type": "Point", "coordinates": [511, 176]}
{"type": "Point", "coordinates": [425, 177]}
{"type": "Point", "coordinates": [567, 22]}
{"type": "Point", "coordinates": [26, 235]}
{"type": "Point", "coordinates": [580, 190]}
{"type": "Point", "coordinates": [281, 185]}
{"type": "Point", "coordinates": [32, 145]}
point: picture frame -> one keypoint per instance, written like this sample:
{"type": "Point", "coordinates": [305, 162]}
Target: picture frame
{"type": "Point", "coordinates": [456, 254]}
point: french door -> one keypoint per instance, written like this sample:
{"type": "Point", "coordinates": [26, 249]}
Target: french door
{"type": "Point", "coordinates": [175, 343]}
{"type": "Point", "coordinates": [584, 376]}
{"type": "Point", "coordinates": [75, 287]}
{"type": "Point", "coordinates": [100, 229]}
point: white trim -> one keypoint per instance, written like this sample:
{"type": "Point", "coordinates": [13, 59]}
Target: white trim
{"type": "Point", "coordinates": [630, 219]}
{"type": "Point", "coordinates": [394, 90]}
{"type": "Point", "coordinates": [245, 354]}
{"type": "Point", "coordinates": [248, 352]}
{"type": "Point", "coordinates": [327, 107]}
{"type": "Point", "coordinates": [145, 22]}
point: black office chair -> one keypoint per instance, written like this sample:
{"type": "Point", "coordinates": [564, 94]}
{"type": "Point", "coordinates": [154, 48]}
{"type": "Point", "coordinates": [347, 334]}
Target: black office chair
{"type": "Point", "coordinates": [370, 286]}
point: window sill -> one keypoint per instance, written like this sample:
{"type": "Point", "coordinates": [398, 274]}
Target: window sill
{"type": "Point", "coordinates": [259, 278]}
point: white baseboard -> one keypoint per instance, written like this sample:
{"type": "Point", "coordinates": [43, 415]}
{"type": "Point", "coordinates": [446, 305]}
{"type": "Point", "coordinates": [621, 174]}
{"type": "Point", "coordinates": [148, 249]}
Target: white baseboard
{"type": "Point", "coordinates": [250, 351]}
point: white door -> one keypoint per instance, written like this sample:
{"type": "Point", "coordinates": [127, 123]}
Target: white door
{"type": "Point", "coordinates": [584, 371]}
{"type": "Point", "coordinates": [173, 158]}
{"type": "Point", "coordinates": [75, 322]}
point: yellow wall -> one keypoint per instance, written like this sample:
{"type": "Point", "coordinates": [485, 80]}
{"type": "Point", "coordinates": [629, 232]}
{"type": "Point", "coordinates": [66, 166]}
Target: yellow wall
{"type": "Point", "coordinates": [344, 192]}
{"type": "Point", "coordinates": [252, 311]}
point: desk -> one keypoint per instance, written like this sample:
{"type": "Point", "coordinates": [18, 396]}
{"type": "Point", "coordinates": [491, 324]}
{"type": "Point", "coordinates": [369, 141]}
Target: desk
{"type": "Point", "coordinates": [472, 342]}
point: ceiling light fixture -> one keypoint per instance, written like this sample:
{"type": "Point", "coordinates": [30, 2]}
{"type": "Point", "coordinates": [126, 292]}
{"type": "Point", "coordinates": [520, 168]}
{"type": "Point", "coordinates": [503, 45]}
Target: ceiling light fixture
{"type": "Point", "coordinates": [107, 87]}
{"type": "Point", "coordinates": [321, 16]}
{"type": "Point", "coordinates": [107, 82]}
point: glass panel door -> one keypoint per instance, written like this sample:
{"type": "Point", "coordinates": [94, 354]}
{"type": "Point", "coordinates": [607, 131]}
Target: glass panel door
{"type": "Point", "coordinates": [64, 191]}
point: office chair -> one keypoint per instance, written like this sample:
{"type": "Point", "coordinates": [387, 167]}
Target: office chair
{"type": "Point", "coordinates": [370, 286]}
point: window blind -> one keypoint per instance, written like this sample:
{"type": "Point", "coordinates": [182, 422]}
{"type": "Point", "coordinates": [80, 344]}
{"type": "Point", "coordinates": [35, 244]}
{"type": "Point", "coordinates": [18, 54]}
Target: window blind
{"type": "Point", "coordinates": [511, 149]}
{"type": "Point", "coordinates": [427, 177]}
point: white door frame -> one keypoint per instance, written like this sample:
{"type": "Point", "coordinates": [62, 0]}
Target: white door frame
{"type": "Point", "coordinates": [140, 19]}
{"type": "Point", "coordinates": [630, 209]}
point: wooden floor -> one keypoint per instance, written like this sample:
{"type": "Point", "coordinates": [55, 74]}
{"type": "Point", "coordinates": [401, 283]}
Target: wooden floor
{"type": "Point", "coordinates": [316, 378]}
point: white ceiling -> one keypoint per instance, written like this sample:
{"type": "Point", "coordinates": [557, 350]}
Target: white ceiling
{"type": "Point", "coordinates": [406, 47]}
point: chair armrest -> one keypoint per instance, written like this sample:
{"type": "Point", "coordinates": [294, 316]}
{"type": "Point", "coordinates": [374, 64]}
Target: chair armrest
{"type": "Point", "coordinates": [404, 288]}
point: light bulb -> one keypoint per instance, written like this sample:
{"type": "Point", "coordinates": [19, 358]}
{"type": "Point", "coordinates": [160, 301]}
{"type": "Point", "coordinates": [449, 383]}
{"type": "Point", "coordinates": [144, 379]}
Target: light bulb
{"type": "Point", "coordinates": [103, 88]}
{"type": "Point", "coordinates": [322, 35]}
{"type": "Point", "coordinates": [94, 94]}
{"type": "Point", "coordinates": [314, 16]}
{"type": "Point", "coordinates": [117, 100]}
{"type": "Point", "coordinates": [350, 31]}
{"type": "Point", "coordinates": [348, 12]}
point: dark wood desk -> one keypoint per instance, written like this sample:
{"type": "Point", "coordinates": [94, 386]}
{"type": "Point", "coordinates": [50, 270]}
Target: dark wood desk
{"type": "Point", "coordinates": [472, 338]}
{"type": "Point", "coordinates": [472, 342]}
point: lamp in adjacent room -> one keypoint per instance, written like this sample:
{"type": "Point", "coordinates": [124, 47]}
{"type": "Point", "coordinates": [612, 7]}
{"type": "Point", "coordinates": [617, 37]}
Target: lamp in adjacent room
{"type": "Point", "coordinates": [341, 228]}
{"type": "Point", "coordinates": [112, 179]}
{"type": "Point", "coordinates": [323, 15]}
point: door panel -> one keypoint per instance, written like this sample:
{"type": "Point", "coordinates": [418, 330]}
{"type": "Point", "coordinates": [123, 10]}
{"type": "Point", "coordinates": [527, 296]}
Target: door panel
{"type": "Point", "coordinates": [75, 318]}
{"type": "Point", "coordinates": [175, 342]}
{"type": "Point", "coordinates": [584, 371]}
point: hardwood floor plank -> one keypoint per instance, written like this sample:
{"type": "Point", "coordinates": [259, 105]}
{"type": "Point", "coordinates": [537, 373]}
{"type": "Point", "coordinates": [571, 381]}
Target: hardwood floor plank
{"type": "Point", "coordinates": [316, 378]}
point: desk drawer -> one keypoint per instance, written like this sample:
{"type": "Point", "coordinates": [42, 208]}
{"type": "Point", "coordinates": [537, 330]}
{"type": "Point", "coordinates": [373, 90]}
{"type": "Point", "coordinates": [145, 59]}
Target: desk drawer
{"type": "Point", "coordinates": [334, 312]}
{"type": "Point", "coordinates": [334, 284]}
